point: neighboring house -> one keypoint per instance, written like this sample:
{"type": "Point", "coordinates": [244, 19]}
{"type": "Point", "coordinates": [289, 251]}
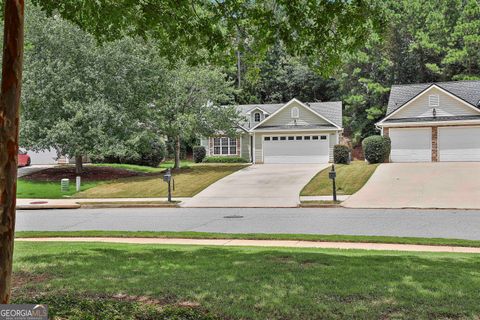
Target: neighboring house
{"type": "Point", "coordinates": [433, 122]}
{"type": "Point", "coordinates": [293, 132]}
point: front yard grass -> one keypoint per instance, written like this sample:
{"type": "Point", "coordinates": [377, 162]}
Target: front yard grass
{"type": "Point", "coordinates": [249, 283]}
{"type": "Point", "coordinates": [251, 236]}
{"type": "Point", "coordinates": [47, 190]}
{"type": "Point", "coordinates": [188, 182]}
{"type": "Point", "coordinates": [350, 179]}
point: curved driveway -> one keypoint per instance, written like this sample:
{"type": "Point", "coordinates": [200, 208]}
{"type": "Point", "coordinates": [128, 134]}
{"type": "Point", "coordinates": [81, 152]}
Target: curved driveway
{"type": "Point", "coordinates": [260, 185]}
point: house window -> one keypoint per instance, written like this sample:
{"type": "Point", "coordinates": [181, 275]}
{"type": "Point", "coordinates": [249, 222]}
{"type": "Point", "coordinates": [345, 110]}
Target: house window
{"type": "Point", "coordinates": [298, 138]}
{"type": "Point", "coordinates": [291, 138]}
{"type": "Point", "coordinates": [315, 137]}
{"type": "Point", "coordinates": [224, 146]}
{"type": "Point", "coordinates": [256, 116]}
{"type": "Point", "coordinates": [306, 138]}
{"type": "Point", "coordinates": [323, 137]}
{"type": "Point", "coordinates": [433, 100]}
{"type": "Point", "coordinates": [267, 138]}
{"type": "Point", "coordinates": [283, 138]}
{"type": "Point", "coordinates": [274, 138]}
{"type": "Point", "coordinates": [295, 113]}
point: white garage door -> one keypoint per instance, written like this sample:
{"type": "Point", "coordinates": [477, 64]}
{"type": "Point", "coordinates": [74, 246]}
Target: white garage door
{"type": "Point", "coordinates": [459, 144]}
{"type": "Point", "coordinates": [296, 149]}
{"type": "Point", "coordinates": [411, 145]}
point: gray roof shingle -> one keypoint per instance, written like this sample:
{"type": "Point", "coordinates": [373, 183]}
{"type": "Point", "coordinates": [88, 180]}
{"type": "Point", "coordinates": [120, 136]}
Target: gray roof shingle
{"type": "Point", "coordinates": [332, 111]}
{"type": "Point", "coordinates": [468, 90]}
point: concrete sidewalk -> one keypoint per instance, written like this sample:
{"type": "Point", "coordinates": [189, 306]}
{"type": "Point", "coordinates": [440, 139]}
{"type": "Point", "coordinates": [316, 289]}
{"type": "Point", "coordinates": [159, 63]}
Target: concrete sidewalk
{"type": "Point", "coordinates": [73, 203]}
{"type": "Point", "coordinates": [266, 243]}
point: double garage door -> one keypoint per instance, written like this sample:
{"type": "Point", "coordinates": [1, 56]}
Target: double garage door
{"type": "Point", "coordinates": [295, 149]}
{"type": "Point", "coordinates": [454, 144]}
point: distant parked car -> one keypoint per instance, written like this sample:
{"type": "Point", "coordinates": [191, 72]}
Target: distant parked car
{"type": "Point", "coordinates": [23, 159]}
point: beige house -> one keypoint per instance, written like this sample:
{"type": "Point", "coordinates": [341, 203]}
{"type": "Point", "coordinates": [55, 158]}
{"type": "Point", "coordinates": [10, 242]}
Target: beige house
{"type": "Point", "coordinates": [433, 122]}
{"type": "Point", "coordinates": [293, 132]}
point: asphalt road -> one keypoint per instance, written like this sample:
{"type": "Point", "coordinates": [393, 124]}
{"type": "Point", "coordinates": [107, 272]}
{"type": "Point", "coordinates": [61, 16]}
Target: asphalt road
{"type": "Point", "coordinates": [462, 224]}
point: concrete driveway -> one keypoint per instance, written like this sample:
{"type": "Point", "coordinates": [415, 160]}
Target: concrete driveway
{"type": "Point", "coordinates": [25, 171]}
{"type": "Point", "coordinates": [447, 185]}
{"type": "Point", "coordinates": [262, 185]}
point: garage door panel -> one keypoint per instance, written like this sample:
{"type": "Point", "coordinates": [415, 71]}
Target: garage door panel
{"type": "Point", "coordinates": [459, 144]}
{"type": "Point", "coordinates": [411, 145]}
{"type": "Point", "coordinates": [296, 151]}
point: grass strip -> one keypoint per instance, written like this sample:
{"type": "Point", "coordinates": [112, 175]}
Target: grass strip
{"type": "Point", "coordinates": [251, 236]}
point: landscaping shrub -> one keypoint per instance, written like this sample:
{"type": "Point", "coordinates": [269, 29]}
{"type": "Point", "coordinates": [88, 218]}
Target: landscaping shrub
{"type": "Point", "coordinates": [376, 149]}
{"type": "Point", "coordinates": [341, 154]}
{"type": "Point", "coordinates": [225, 160]}
{"type": "Point", "coordinates": [150, 153]}
{"type": "Point", "coordinates": [199, 153]}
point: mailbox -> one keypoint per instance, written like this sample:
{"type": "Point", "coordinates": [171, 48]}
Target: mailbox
{"type": "Point", "coordinates": [167, 176]}
{"type": "Point", "coordinates": [332, 175]}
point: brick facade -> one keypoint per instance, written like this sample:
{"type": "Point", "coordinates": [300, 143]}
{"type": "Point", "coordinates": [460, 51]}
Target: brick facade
{"type": "Point", "coordinates": [434, 144]}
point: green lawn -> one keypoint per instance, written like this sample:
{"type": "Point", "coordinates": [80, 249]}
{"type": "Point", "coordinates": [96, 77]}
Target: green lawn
{"type": "Point", "coordinates": [250, 236]}
{"type": "Point", "coordinates": [248, 283]}
{"type": "Point", "coordinates": [188, 182]}
{"type": "Point", "coordinates": [350, 179]}
{"type": "Point", "coordinates": [133, 167]}
{"type": "Point", "coordinates": [47, 190]}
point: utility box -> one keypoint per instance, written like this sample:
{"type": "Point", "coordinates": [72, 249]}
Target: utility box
{"type": "Point", "coordinates": [65, 185]}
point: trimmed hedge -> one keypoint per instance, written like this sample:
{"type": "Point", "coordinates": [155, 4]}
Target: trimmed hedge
{"type": "Point", "coordinates": [341, 154]}
{"type": "Point", "coordinates": [199, 153]}
{"type": "Point", "coordinates": [376, 148]}
{"type": "Point", "coordinates": [225, 160]}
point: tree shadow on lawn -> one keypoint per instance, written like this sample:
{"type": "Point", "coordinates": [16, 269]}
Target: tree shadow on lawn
{"type": "Point", "coordinates": [264, 283]}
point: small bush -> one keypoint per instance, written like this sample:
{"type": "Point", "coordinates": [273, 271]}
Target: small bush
{"type": "Point", "coordinates": [225, 160]}
{"type": "Point", "coordinates": [341, 154]}
{"type": "Point", "coordinates": [149, 153]}
{"type": "Point", "coordinates": [376, 148]}
{"type": "Point", "coordinates": [199, 153]}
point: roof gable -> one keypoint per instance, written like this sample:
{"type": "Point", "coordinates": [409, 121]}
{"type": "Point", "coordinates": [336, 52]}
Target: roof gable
{"type": "Point", "coordinates": [400, 95]}
{"type": "Point", "coordinates": [308, 116]}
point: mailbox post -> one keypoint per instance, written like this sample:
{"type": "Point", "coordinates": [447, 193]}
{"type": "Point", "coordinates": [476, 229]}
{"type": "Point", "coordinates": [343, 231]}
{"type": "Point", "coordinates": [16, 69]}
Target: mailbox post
{"type": "Point", "coordinates": [167, 177]}
{"type": "Point", "coordinates": [332, 175]}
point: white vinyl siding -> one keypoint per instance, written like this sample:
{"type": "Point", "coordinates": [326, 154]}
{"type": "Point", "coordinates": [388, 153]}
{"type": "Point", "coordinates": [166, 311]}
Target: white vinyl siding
{"type": "Point", "coordinates": [448, 106]}
{"type": "Point", "coordinates": [459, 144]}
{"type": "Point", "coordinates": [245, 146]}
{"type": "Point", "coordinates": [284, 117]}
{"type": "Point", "coordinates": [411, 145]}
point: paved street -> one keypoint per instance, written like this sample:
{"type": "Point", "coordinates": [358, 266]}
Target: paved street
{"type": "Point", "coordinates": [408, 222]}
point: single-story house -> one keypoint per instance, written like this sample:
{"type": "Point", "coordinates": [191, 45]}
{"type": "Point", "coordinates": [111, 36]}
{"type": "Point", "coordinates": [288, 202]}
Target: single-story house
{"type": "Point", "coordinates": [292, 132]}
{"type": "Point", "coordinates": [432, 122]}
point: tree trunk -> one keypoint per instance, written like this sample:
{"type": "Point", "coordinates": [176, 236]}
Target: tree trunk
{"type": "Point", "coordinates": [9, 120]}
{"type": "Point", "coordinates": [78, 165]}
{"type": "Point", "coordinates": [177, 153]}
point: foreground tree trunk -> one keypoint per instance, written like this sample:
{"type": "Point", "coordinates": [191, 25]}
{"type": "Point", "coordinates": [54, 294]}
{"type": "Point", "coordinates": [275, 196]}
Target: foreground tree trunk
{"type": "Point", "coordinates": [177, 153]}
{"type": "Point", "coordinates": [78, 165]}
{"type": "Point", "coordinates": [9, 120]}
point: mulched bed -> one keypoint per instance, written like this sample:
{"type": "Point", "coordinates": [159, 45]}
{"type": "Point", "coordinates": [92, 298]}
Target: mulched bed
{"type": "Point", "coordinates": [90, 173]}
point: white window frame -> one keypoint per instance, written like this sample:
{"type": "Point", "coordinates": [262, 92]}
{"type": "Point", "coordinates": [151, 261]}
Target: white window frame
{"type": "Point", "coordinates": [255, 117]}
{"type": "Point", "coordinates": [228, 145]}
{"type": "Point", "coordinates": [295, 113]}
{"type": "Point", "coordinates": [434, 100]}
